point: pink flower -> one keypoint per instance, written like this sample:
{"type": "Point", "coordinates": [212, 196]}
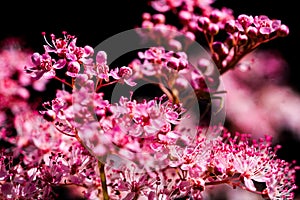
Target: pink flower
{"type": "Point", "coordinates": [243, 22]}
{"type": "Point", "coordinates": [73, 68]}
{"type": "Point", "coordinates": [281, 183]}
{"type": "Point", "coordinates": [253, 162]}
{"type": "Point", "coordinates": [131, 183]}
{"type": "Point", "coordinates": [123, 74]}
{"type": "Point", "coordinates": [265, 25]}
{"type": "Point", "coordinates": [66, 48]}
{"type": "Point", "coordinates": [150, 117]}
{"type": "Point", "coordinates": [100, 69]}
{"type": "Point", "coordinates": [44, 66]}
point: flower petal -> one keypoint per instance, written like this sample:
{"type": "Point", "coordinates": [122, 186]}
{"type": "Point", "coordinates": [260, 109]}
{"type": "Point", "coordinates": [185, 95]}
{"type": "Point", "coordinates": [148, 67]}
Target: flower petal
{"type": "Point", "coordinates": [101, 57]}
{"type": "Point", "coordinates": [60, 64]}
{"type": "Point", "coordinates": [249, 184]}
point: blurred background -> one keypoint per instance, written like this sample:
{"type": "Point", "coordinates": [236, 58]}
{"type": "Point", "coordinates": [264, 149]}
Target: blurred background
{"type": "Point", "coordinates": [266, 100]}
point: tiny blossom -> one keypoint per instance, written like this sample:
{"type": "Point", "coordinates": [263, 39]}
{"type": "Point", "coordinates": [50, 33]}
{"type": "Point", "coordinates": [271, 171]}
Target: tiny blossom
{"type": "Point", "coordinates": [52, 172]}
{"type": "Point", "coordinates": [100, 69]}
{"type": "Point", "coordinates": [191, 159]}
{"type": "Point", "coordinates": [44, 66]}
{"type": "Point", "coordinates": [73, 68]}
{"type": "Point", "coordinates": [124, 74]}
{"type": "Point", "coordinates": [154, 55]}
{"type": "Point", "coordinates": [244, 21]}
{"type": "Point", "coordinates": [131, 183]}
{"type": "Point", "coordinates": [81, 165]}
{"type": "Point", "coordinates": [156, 61]}
{"type": "Point", "coordinates": [66, 48]}
{"type": "Point", "coordinates": [150, 116]}
{"type": "Point", "coordinates": [266, 25]}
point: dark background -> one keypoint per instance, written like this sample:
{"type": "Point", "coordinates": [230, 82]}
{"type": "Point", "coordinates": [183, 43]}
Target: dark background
{"type": "Point", "coordinates": [94, 21]}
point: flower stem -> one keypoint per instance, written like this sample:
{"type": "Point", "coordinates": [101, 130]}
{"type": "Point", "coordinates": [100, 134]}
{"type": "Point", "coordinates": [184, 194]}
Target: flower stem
{"type": "Point", "coordinates": [106, 84]}
{"type": "Point", "coordinates": [235, 61]}
{"type": "Point", "coordinates": [63, 81]}
{"type": "Point", "coordinates": [70, 135]}
{"type": "Point", "coordinates": [136, 196]}
{"type": "Point", "coordinates": [217, 182]}
{"type": "Point", "coordinates": [103, 180]}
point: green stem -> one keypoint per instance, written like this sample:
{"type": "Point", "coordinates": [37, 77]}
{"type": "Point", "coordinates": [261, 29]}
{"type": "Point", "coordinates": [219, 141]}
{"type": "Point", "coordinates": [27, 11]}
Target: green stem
{"type": "Point", "coordinates": [101, 170]}
{"type": "Point", "coordinates": [103, 180]}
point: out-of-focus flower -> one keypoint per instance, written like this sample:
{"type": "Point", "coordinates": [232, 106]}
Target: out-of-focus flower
{"type": "Point", "coordinates": [16, 87]}
{"type": "Point", "coordinates": [13, 57]}
{"type": "Point", "coordinates": [259, 99]}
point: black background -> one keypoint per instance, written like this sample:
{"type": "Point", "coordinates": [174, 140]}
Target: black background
{"type": "Point", "coordinates": [94, 21]}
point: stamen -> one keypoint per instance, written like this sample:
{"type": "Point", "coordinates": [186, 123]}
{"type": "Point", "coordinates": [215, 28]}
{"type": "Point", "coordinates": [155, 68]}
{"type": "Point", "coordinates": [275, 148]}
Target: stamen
{"type": "Point", "coordinates": [53, 40]}
{"type": "Point", "coordinates": [44, 35]}
{"type": "Point", "coordinates": [65, 33]}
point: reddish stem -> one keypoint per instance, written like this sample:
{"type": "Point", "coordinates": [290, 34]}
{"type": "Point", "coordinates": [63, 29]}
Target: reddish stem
{"type": "Point", "coordinates": [63, 81]}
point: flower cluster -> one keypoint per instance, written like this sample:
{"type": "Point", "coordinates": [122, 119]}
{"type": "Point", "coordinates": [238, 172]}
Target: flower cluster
{"type": "Point", "coordinates": [139, 147]}
{"type": "Point", "coordinates": [229, 39]}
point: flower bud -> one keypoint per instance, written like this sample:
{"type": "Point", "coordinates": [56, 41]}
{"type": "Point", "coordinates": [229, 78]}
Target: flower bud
{"type": "Point", "coordinates": [182, 65]}
{"type": "Point", "coordinates": [229, 41]}
{"type": "Point", "coordinates": [146, 16]}
{"type": "Point", "coordinates": [147, 24]}
{"type": "Point", "coordinates": [215, 16]}
{"type": "Point", "coordinates": [220, 49]}
{"type": "Point", "coordinates": [49, 115]}
{"type": "Point", "coordinates": [251, 31]}
{"type": "Point", "coordinates": [213, 29]}
{"type": "Point", "coordinates": [193, 26]}
{"type": "Point", "coordinates": [159, 18]}
{"type": "Point", "coordinates": [203, 23]}
{"type": "Point", "coordinates": [185, 16]}
{"type": "Point", "coordinates": [190, 36]}
{"type": "Point", "coordinates": [230, 26]}
{"type": "Point", "coordinates": [283, 31]}
{"type": "Point", "coordinates": [175, 44]}
{"type": "Point", "coordinates": [203, 64]}
{"type": "Point", "coordinates": [73, 67]}
{"type": "Point", "coordinates": [242, 39]}
{"type": "Point", "coordinates": [88, 50]}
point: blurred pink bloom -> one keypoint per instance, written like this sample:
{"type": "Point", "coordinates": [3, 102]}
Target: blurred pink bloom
{"type": "Point", "coordinates": [259, 100]}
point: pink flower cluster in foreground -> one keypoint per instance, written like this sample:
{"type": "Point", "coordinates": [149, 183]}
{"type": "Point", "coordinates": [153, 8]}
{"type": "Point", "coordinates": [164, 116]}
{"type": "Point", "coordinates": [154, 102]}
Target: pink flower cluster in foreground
{"type": "Point", "coordinates": [137, 148]}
